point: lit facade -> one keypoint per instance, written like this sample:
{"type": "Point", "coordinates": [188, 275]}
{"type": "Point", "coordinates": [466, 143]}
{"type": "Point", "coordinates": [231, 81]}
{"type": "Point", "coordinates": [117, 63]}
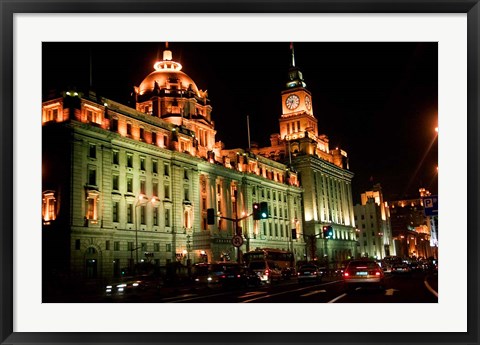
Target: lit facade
{"type": "Point", "coordinates": [123, 186]}
{"type": "Point", "coordinates": [374, 232]}
{"type": "Point", "coordinates": [324, 173]}
{"type": "Point", "coordinates": [414, 234]}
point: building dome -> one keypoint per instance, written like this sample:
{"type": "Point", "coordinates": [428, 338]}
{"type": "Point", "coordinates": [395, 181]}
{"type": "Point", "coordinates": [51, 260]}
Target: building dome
{"type": "Point", "coordinates": [167, 75]}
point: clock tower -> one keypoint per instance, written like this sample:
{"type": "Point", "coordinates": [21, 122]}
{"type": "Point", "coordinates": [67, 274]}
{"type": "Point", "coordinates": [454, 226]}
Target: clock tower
{"type": "Point", "coordinates": [297, 112]}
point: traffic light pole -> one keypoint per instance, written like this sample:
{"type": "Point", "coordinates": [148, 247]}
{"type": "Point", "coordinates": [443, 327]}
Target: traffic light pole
{"type": "Point", "coordinates": [236, 221]}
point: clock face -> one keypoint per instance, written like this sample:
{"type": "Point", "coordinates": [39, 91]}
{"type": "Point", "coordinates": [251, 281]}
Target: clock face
{"type": "Point", "coordinates": [308, 102]}
{"type": "Point", "coordinates": [292, 102]}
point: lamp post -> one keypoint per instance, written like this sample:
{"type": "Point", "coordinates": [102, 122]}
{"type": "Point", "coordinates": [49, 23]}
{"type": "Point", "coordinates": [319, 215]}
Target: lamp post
{"type": "Point", "coordinates": [142, 199]}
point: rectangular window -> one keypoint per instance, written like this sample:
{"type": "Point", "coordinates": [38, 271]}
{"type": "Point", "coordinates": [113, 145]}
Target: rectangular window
{"type": "Point", "coordinates": [186, 194]}
{"type": "Point", "coordinates": [168, 247]}
{"type": "Point", "coordinates": [129, 184]}
{"type": "Point", "coordinates": [204, 203]}
{"type": "Point", "coordinates": [276, 230]}
{"type": "Point", "coordinates": [77, 244]}
{"type": "Point", "coordinates": [129, 129]}
{"type": "Point", "coordinates": [142, 214]}
{"type": "Point", "coordinates": [92, 177]}
{"type": "Point", "coordinates": [166, 170]}
{"type": "Point", "coordinates": [115, 182]}
{"type": "Point", "coordinates": [92, 151]}
{"type": "Point", "coordinates": [91, 208]}
{"type": "Point", "coordinates": [265, 229]}
{"type": "Point", "coordinates": [115, 157]}
{"type": "Point", "coordinates": [167, 217]}
{"type": "Point", "coordinates": [116, 246]}
{"type": "Point", "coordinates": [185, 174]}
{"type": "Point", "coordinates": [269, 229]}
{"type": "Point", "coordinates": [154, 138]}
{"type": "Point", "coordinates": [142, 134]}
{"type": "Point", "coordinates": [115, 211]}
{"type": "Point", "coordinates": [107, 245]}
{"type": "Point", "coordinates": [142, 187]}
{"type": "Point", "coordinates": [165, 141]}
{"type": "Point", "coordinates": [89, 115]}
{"type": "Point", "coordinates": [114, 126]}
{"type": "Point", "coordinates": [142, 163]}
{"type": "Point", "coordinates": [154, 188]}
{"type": "Point", "coordinates": [154, 166]}
{"type": "Point", "coordinates": [155, 216]}
{"type": "Point", "coordinates": [130, 213]}
{"type": "Point", "coordinates": [166, 191]}
{"type": "Point", "coordinates": [130, 246]}
{"type": "Point", "coordinates": [129, 160]}
{"type": "Point", "coordinates": [156, 247]}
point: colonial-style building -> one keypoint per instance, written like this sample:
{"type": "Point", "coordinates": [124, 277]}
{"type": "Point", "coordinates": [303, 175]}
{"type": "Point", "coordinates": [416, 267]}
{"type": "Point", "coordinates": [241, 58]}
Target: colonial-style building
{"type": "Point", "coordinates": [123, 186]}
{"type": "Point", "coordinates": [374, 231]}
{"type": "Point", "coordinates": [324, 173]}
{"type": "Point", "coordinates": [414, 234]}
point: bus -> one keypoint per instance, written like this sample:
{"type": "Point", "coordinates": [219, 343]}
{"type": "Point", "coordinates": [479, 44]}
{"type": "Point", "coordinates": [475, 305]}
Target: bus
{"type": "Point", "coordinates": [285, 260]}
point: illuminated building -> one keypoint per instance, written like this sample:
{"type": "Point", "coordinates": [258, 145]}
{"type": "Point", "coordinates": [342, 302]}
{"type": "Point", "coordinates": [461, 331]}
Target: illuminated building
{"type": "Point", "coordinates": [374, 233]}
{"type": "Point", "coordinates": [123, 186]}
{"type": "Point", "coordinates": [324, 173]}
{"type": "Point", "coordinates": [414, 234]}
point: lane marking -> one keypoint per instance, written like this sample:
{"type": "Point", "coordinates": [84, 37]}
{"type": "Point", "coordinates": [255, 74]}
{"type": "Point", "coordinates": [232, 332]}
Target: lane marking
{"type": "Point", "coordinates": [430, 288]}
{"type": "Point", "coordinates": [312, 293]}
{"type": "Point", "coordinates": [337, 298]}
{"type": "Point", "coordinates": [390, 292]}
{"type": "Point", "coordinates": [180, 296]}
{"type": "Point", "coordinates": [289, 291]}
{"type": "Point", "coordinates": [252, 293]}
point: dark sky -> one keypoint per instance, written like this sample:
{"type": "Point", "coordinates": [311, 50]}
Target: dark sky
{"type": "Point", "coordinates": [377, 101]}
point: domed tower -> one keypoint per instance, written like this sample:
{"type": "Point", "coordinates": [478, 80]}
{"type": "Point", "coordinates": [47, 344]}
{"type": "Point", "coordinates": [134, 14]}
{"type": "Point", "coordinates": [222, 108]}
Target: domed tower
{"type": "Point", "coordinates": [170, 94]}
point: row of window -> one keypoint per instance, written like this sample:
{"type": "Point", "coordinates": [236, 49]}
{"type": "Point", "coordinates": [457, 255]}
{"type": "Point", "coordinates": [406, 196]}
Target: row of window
{"type": "Point", "coordinates": [129, 246]}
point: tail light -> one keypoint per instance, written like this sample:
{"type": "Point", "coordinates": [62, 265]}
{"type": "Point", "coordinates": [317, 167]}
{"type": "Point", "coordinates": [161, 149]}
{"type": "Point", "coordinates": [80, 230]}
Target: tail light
{"type": "Point", "coordinates": [222, 276]}
{"type": "Point", "coordinates": [238, 275]}
{"type": "Point", "coordinates": [267, 272]}
{"type": "Point", "coordinates": [377, 273]}
{"type": "Point", "coordinates": [314, 273]}
{"type": "Point", "coordinates": [298, 273]}
{"type": "Point", "coordinates": [346, 274]}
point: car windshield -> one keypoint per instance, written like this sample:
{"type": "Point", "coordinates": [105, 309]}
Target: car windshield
{"type": "Point", "coordinates": [308, 267]}
{"type": "Point", "coordinates": [257, 265]}
{"type": "Point", "coordinates": [362, 264]}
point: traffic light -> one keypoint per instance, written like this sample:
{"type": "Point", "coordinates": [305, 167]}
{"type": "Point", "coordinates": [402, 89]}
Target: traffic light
{"type": "Point", "coordinates": [264, 210]}
{"type": "Point", "coordinates": [210, 216]}
{"type": "Point", "coordinates": [256, 211]}
{"type": "Point", "coordinates": [327, 231]}
{"type": "Point", "coordinates": [294, 234]}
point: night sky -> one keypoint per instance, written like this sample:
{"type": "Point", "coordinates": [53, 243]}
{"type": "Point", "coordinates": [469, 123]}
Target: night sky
{"type": "Point", "coordinates": [377, 101]}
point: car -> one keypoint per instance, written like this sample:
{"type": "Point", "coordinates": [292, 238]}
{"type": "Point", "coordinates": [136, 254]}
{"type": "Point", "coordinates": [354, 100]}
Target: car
{"type": "Point", "coordinates": [209, 275]}
{"type": "Point", "coordinates": [267, 271]}
{"type": "Point", "coordinates": [401, 267]}
{"type": "Point", "coordinates": [309, 273]}
{"type": "Point", "coordinates": [135, 286]}
{"type": "Point", "coordinates": [363, 273]}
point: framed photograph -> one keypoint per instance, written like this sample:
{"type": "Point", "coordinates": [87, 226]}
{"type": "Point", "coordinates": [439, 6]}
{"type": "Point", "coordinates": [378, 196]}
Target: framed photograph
{"type": "Point", "coordinates": [239, 172]}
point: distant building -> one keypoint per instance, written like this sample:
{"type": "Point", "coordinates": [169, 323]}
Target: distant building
{"type": "Point", "coordinates": [414, 234]}
{"type": "Point", "coordinates": [374, 233]}
{"type": "Point", "coordinates": [125, 186]}
{"type": "Point", "coordinates": [324, 173]}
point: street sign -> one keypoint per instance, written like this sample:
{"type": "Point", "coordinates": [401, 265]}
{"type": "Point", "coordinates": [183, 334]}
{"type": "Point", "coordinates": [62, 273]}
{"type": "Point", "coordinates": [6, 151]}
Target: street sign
{"type": "Point", "coordinates": [430, 205]}
{"type": "Point", "coordinates": [237, 241]}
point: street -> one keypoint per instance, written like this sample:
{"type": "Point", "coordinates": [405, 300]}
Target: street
{"type": "Point", "coordinates": [414, 288]}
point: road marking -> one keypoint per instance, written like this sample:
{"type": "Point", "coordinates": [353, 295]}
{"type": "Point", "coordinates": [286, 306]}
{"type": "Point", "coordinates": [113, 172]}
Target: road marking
{"type": "Point", "coordinates": [312, 293]}
{"type": "Point", "coordinates": [181, 296]}
{"type": "Point", "coordinates": [430, 288]}
{"type": "Point", "coordinates": [337, 298]}
{"type": "Point", "coordinates": [252, 293]}
{"type": "Point", "coordinates": [390, 292]}
{"type": "Point", "coordinates": [289, 291]}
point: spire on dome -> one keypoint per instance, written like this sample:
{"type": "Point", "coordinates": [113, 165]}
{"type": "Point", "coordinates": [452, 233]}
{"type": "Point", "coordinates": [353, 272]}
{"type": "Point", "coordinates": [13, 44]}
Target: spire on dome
{"type": "Point", "coordinates": [293, 54]}
{"type": "Point", "coordinates": [167, 63]}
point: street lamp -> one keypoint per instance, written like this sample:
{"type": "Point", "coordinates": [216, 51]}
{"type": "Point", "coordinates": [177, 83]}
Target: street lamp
{"type": "Point", "coordinates": [142, 199]}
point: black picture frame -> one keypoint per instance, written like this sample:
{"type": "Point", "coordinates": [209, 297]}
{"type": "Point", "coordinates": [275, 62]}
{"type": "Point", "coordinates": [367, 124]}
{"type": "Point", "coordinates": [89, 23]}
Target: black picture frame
{"type": "Point", "coordinates": [10, 7]}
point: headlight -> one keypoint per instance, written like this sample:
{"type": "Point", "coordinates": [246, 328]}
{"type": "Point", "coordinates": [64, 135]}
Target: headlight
{"type": "Point", "coordinates": [121, 285]}
{"type": "Point", "coordinates": [135, 284]}
{"type": "Point", "coordinates": [209, 278]}
{"type": "Point", "coordinates": [109, 286]}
